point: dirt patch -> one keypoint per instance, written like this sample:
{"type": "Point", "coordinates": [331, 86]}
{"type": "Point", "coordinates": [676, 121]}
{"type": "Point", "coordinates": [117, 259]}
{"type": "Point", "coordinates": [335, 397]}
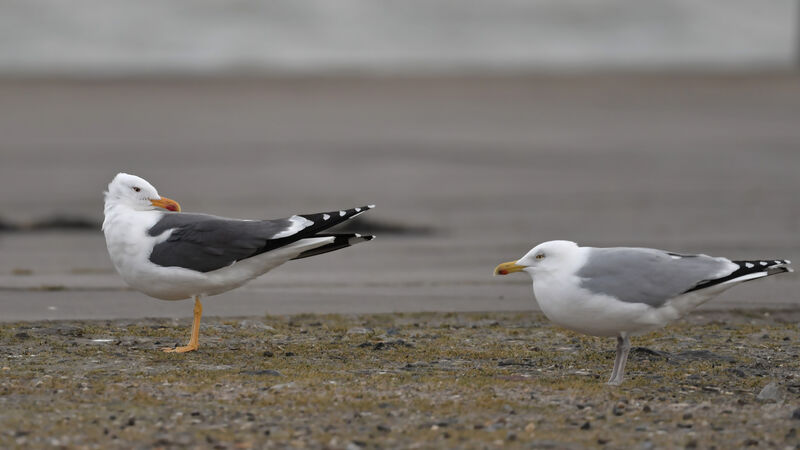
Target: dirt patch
{"type": "Point", "coordinates": [728, 380]}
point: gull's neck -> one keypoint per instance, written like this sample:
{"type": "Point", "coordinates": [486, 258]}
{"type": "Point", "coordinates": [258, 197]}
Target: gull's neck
{"type": "Point", "coordinates": [115, 209]}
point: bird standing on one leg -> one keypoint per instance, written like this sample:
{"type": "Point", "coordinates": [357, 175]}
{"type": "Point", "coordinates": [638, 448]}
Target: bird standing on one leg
{"type": "Point", "coordinates": [624, 291]}
{"type": "Point", "coordinates": [171, 255]}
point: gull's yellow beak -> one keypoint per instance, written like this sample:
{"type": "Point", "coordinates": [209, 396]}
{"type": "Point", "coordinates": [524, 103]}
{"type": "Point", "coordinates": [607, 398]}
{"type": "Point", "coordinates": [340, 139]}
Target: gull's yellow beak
{"type": "Point", "coordinates": [507, 268]}
{"type": "Point", "coordinates": [166, 203]}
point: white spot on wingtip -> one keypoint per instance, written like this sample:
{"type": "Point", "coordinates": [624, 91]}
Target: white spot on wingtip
{"type": "Point", "coordinates": [298, 223]}
{"type": "Point", "coordinates": [325, 217]}
{"type": "Point", "coordinates": [777, 262]}
{"type": "Point", "coordinates": [358, 209]}
{"type": "Point", "coordinates": [749, 265]}
{"type": "Point", "coordinates": [763, 263]}
{"type": "Point", "coordinates": [358, 235]}
{"type": "Point", "coordinates": [787, 261]}
{"type": "Point", "coordinates": [675, 257]}
{"type": "Point", "coordinates": [370, 206]}
{"type": "Point", "coordinates": [342, 213]}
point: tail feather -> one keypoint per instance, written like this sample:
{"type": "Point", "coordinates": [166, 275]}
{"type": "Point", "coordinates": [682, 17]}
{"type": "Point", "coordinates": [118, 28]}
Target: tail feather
{"type": "Point", "coordinates": [340, 241]}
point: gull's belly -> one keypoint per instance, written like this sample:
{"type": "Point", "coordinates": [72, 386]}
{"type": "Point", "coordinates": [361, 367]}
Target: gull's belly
{"type": "Point", "coordinates": [596, 315]}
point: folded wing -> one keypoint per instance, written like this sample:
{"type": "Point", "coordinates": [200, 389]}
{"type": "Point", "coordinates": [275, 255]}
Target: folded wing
{"type": "Point", "coordinates": [204, 243]}
{"type": "Point", "coordinates": [650, 276]}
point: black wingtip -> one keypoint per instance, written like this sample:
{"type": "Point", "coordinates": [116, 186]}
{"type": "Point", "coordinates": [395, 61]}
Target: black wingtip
{"type": "Point", "coordinates": [746, 268]}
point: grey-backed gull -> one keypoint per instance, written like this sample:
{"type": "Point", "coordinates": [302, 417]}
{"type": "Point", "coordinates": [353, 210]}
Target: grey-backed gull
{"type": "Point", "coordinates": [624, 291]}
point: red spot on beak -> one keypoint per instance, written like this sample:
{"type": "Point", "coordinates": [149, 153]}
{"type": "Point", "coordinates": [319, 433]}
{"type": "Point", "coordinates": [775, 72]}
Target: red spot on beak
{"type": "Point", "coordinates": [503, 272]}
{"type": "Point", "coordinates": [171, 207]}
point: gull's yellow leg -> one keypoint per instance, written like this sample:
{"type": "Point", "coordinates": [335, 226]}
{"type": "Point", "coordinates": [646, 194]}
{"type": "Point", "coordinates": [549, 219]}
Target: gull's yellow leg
{"type": "Point", "coordinates": [194, 341]}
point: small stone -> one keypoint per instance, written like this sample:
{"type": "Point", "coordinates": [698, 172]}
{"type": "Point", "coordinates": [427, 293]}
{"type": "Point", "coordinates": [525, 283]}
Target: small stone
{"type": "Point", "coordinates": [586, 426]}
{"type": "Point", "coordinates": [796, 414]}
{"type": "Point", "coordinates": [530, 427]}
{"type": "Point", "coordinates": [619, 409]}
{"type": "Point", "coordinates": [770, 393]}
{"type": "Point", "coordinates": [268, 354]}
{"type": "Point", "coordinates": [270, 372]}
{"type": "Point", "coordinates": [647, 408]}
{"type": "Point", "coordinates": [383, 428]}
{"type": "Point", "coordinates": [687, 416]}
{"type": "Point", "coordinates": [282, 386]}
{"type": "Point", "coordinates": [256, 325]}
{"type": "Point", "coordinates": [750, 442]}
{"type": "Point", "coordinates": [183, 439]}
{"type": "Point", "coordinates": [359, 330]}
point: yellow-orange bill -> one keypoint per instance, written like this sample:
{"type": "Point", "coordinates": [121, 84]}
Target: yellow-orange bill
{"type": "Point", "coordinates": [166, 203]}
{"type": "Point", "coordinates": [507, 268]}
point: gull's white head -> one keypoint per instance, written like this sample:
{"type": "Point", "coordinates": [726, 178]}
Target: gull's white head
{"type": "Point", "coordinates": [136, 193]}
{"type": "Point", "coordinates": [545, 257]}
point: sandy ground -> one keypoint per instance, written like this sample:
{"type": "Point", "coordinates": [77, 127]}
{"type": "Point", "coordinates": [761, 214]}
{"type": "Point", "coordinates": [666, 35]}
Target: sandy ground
{"type": "Point", "coordinates": [491, 166]}
{"type": "Point", "coordinates": [465, 380]}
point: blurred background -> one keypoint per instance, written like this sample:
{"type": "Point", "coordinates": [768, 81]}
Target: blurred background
{"type": "Point", "coordinates": [479, 128]}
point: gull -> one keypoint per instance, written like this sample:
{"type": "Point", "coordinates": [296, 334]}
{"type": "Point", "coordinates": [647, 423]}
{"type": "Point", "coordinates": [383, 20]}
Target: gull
{"type": "Point", "coordinates": [172, 255]}
{"type": "Point", "coordinates": [624, 291]}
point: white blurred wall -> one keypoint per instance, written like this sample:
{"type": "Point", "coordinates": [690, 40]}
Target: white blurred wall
{"type": "Point", "coordinates": [130, 37]}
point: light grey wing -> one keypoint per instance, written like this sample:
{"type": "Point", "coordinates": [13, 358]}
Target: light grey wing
{"type": "Point", "coordinates": [644, 275]}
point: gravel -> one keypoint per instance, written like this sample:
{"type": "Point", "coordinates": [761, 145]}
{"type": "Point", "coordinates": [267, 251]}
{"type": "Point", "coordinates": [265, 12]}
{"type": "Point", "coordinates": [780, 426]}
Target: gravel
{"type": "Point", "coordinates": [470, 380]}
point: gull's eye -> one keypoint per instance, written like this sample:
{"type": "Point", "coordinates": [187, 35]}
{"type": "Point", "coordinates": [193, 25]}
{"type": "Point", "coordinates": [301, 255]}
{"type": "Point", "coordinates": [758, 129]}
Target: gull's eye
{"type": "Point", "coordinates": [540, 256]}
{"type": "Point", "coordinates": [136, 188]}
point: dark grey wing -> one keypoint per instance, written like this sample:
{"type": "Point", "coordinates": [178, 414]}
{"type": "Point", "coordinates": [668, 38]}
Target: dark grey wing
{"type": "Point", "coordinates": [650, 276]}
{"type": "Point", "coordinates": [204, 243]}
